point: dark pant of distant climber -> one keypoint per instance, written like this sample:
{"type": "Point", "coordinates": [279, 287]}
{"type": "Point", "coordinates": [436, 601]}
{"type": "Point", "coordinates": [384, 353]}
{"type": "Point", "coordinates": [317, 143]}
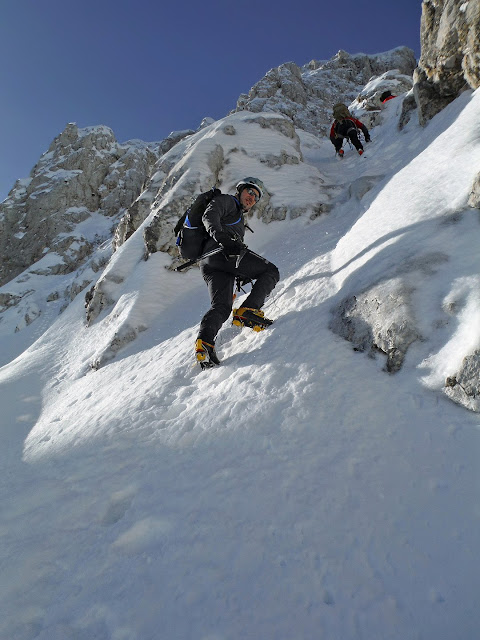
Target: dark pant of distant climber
{"type": "Point", "coordinates": [348, 129]}
{"type": "Point", "coordinates": [219, 274]}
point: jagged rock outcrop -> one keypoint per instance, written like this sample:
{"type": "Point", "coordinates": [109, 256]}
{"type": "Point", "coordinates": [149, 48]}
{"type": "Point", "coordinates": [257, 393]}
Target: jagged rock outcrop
{"type": "Point", "coordinates": [306, 94]}
{"type": "Point", "coordinates": [409, 105]}
{"type": "Point", "coordinates": [379, 320]}
{"type": "Point", "coordinates": [173, 138]}
{"type": "Point", "coordinates": [84, 173]}
{"type": "Point", "coordinates": [464, 387]}
{"type": "Point", "coordinates": [474, 197]}
{"type": "Point", "coordinates": [369, 99]}
{"type": "Point", "coordinates": [59, 221]}
{"type": "Point", "coordinates": [368, 106]}
{"type": "Point", "coordinates": [450, 58]}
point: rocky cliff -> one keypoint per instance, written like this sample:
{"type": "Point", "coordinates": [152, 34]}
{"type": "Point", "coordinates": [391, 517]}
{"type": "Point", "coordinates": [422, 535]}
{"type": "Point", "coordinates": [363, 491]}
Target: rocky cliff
{"type": "Point", "coordinates": [306, 94]}
{"type": "Point", "coordinates": [84, 173]}
{"type": "Point", "coordinates": [59, 220]}
{"type": "Point", "coordinates": [450, 58]}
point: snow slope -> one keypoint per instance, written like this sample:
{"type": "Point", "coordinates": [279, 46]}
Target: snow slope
{"type": "Point", "coordinates": [296, 491]}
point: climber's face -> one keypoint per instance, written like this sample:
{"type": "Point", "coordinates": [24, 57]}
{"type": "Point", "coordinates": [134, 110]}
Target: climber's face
{"type": "Point", "coordinates": [249, 197]}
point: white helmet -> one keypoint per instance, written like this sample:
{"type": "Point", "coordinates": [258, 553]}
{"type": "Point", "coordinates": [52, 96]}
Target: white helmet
{"type": "Point", "coordinates": [251, 182]}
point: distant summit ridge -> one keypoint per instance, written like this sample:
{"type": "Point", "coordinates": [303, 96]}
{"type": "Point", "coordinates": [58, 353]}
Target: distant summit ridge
{"type": "Point", "coordinates": [306, 94]}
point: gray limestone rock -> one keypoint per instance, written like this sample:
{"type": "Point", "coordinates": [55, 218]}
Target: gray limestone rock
{"type": "Point", "coordinates": [409, 105]}
{"type": "Point", "coordinates": [464, 387]}
{"type": "Point", "coordinates": [370, 97]}
{"type": "Point", "coordinates": [368, 106]}
{"type": "Point", "coordinates": [474, 198]}
{"type": "Point", "coordinates": [83, 173]}
{"type": "Point", "coordinates": [173, 138]}
{"type": "Point", "coordinates": [121, 338]}
{"type": "Point", "coordinates": [306, 94]}
{"type": "Point", "coordinates": [380, 319]}
{"type": "Point", "coordinates": [450, 59]}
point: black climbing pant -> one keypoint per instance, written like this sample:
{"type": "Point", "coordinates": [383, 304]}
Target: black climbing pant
{"type": "Point", "coordinates": [219, 273]}
{"type": "Point", "coordinates": [346, 129]}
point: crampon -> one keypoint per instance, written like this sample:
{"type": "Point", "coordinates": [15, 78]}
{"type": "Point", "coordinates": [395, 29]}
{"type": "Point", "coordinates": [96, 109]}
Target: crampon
{"type": "Point", "coordinates": [252, 318]}
{"type": "Point", "coordinates": [205, 354]}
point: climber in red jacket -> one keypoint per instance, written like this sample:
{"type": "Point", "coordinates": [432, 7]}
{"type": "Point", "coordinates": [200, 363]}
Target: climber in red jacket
{"type": "Point", "coordinates": [346, 126]}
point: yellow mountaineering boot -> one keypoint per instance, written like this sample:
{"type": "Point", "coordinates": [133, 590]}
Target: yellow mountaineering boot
{"type": "Point", "coordinates": [205, 354]}
{"type": "Point", "coordinates": [252, 318]}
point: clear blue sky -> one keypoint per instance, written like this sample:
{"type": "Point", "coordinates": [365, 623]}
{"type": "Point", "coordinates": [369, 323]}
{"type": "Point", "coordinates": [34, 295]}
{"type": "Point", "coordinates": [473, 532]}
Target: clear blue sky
{"type": "Point", "coordinates": [145, 68]}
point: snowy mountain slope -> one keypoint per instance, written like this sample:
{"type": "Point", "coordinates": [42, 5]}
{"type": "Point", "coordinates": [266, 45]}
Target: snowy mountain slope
{"type": "Point", "coordinates": [295, 491]}
{"type": "Point", "coordinates": [414, 238]}
{"type": "Point", "coordinates": [241, 143]}
{"type": "Point", "coordinates": [59, 220]}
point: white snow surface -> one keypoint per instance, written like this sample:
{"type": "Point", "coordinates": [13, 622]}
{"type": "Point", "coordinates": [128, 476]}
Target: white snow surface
{"type": "Point", "coordinates": [295, 492]}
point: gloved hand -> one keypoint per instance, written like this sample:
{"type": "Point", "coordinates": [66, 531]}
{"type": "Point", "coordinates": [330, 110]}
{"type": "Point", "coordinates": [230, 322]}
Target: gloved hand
{"type": "Point", "coordinates": [230, 242]}
{"type": "Point", "coordinates": [367, 138]}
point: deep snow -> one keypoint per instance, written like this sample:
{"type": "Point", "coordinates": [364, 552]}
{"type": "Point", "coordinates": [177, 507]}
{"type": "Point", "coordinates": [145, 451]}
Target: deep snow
{"type": "Point", "coordinates": [296, 491]}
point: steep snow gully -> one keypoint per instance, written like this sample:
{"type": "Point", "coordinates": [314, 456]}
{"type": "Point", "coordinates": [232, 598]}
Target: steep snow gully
{"type": "Point", "coordinates": [296, 491]}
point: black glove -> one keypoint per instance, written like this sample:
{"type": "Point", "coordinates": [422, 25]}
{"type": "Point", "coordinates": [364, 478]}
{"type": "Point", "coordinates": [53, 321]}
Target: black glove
{"type": "Point", "coordinates": [230, 242]}
{"type": "Point", "coordinates": [367, 138]}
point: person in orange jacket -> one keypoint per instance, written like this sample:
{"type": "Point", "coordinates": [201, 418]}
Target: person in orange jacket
{"type": "Point", "coordinates": [347, 127]}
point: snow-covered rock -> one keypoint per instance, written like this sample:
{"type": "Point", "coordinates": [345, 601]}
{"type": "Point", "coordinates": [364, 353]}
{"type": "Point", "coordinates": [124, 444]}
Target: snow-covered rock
{"type": "Point", "coordinates": [307, 94]}
{"type": "Point", "coordinates": [379, 319]}
{"type": "Point", "coordinates": [464, 387]}
{"type": "Point", "coordinates": [368, 107]}
{"type": "Point", "coordinates": [83, 171]}
{"type": "Point", "coordinates": [58, 223]}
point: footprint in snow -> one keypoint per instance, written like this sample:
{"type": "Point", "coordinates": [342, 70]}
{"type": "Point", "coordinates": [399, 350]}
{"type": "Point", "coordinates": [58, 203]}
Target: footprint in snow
{"type": "Point", "coordinates": [119, 505]}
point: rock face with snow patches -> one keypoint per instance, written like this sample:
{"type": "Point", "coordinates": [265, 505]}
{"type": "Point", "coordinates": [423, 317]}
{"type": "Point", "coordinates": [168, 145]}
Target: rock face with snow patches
{"type": "Point", "coordinates": [450, 60]}
{"type": "Point", "coordinates": [464, 387]}
{"type": "Point", "coordinates": [84, 171]}
{"type": "Point", "coordinates": [218, 155]}
{"type": "Point", "coordinates": [57, 221]}
{"type": "Point", "coordinates": [306, 94]}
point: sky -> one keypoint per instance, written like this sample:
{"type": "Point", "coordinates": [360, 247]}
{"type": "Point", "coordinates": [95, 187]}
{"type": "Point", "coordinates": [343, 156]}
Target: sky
{"type": "Point", "coordinates": [297, 491]}
{"type": "Point", "coordinates": [148, 68]}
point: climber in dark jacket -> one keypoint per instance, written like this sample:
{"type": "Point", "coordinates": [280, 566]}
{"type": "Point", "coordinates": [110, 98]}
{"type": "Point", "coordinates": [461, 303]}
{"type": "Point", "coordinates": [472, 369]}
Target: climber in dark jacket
{"type": "Point", "coordinates": [225, 224]}
{"type": "Point", "coordinates": [386, 96]}
{"type": "Point", "coordinates": [348, 128]}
